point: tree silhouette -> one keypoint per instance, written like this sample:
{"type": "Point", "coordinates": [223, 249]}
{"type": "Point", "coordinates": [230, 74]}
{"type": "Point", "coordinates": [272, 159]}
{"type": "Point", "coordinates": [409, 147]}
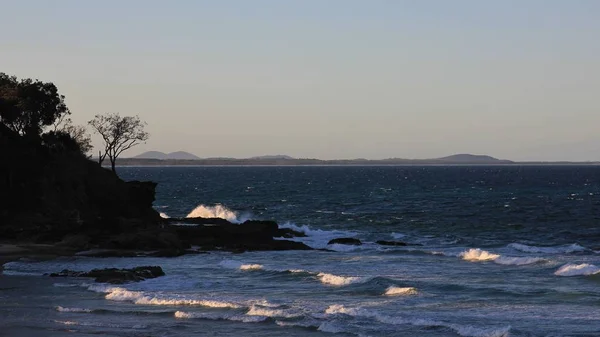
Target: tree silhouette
{"type": "Point", "coordinates": [119, 134]}
{"type": "Point", "coordinates": [27, 106]}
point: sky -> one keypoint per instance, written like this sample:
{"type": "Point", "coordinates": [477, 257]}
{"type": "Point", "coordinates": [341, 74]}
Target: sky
{"type": "Point", "coordinates": [515, 79]}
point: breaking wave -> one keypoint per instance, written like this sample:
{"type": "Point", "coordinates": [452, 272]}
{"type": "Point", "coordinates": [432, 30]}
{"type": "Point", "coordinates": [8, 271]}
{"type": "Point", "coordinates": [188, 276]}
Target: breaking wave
{"type": "Point", "coordinates": [216, 211]}
{"type": "Point", "coordinates": [583, 269]}
{"type": "Point", "coordinates": [572, 248]}
{"type": "Point", "coordinates": [138, 297]}
{"type": "Point", "coordinates": [336, 280]}
{"type": "Point", "coordinates": [318, 238]}
{"type": "Point", "coordinates": [164, 215]}
{"type": "Point", "coordinates": [256, 310]}
{"type": "Point", "coordinates": [462, 330]}
{"type": "Point", "coordinates": [400, 291]}
{"type": "Point", "coordinates": [231, 264]}
{"type": "Point", "coordinates": [218, 316]}
{"type": "Point", "coordinates": [476, 254]}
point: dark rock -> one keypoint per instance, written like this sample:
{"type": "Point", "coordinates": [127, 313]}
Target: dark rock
{"type": "Point", "coordinates": [76, 241]}
{"type": "Point", "coordinates": [391, 243]}
{"type": "Point", "coordinates": [289, 233]}
{"type": "Point", "coordinates": [345, 241]}
{"type": "Point", "coordinates": [220, 234]}
{"type": "Point", "coordinates": [147, 240]}
{"type": "Point", "coordinates": [115, 276]}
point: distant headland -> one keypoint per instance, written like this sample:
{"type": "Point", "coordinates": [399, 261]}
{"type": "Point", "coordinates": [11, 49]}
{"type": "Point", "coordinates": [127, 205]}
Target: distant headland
{"type": "Point", "coordinates": [181, 158]}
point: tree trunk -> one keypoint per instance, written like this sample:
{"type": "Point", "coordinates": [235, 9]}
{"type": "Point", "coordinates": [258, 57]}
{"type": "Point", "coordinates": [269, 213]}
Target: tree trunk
{"type": "Point", "coordinates": [112, 165]}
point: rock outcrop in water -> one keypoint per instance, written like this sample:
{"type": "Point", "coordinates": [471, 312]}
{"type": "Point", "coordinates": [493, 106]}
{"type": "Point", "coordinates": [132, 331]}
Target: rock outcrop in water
{"type": "Point", "coordinates": [55, 196]}
{"type": "Point", "coordinates": [114, 275]}
{"type": "Point", "coordinates": [220, 234]}
{"type": "Point", "coordinates": [345, 241]}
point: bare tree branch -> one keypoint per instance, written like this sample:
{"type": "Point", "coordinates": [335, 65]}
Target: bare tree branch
{"type": "Point", "coordinates": [119, 134]}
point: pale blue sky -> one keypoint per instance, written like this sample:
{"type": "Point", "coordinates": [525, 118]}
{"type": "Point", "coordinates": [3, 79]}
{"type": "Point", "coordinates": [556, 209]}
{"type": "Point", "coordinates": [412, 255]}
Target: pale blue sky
{"type": "Point", "coordinates": [325, 79]}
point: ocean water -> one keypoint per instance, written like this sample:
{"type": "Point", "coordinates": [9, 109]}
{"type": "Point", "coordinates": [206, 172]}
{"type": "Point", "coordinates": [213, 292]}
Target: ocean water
{"type": "Point", "coordinates": [493, 251]}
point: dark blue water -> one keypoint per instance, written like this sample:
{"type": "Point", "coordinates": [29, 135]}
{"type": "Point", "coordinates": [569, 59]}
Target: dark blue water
{"type": "Point", "coordinates": [493, 252]}
{"type": "Point", "coordinates": [483, 205]}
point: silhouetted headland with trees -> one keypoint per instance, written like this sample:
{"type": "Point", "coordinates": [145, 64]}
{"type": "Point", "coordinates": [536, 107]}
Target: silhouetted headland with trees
{"type": "Point", "coordinates": [51, 192]}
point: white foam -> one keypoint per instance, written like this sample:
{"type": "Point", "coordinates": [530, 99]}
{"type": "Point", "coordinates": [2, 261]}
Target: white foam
{"type": "Point", "coordinates": [256, 310]}
{"type": "Point", "coordinates": [339, 280]}
{"type": "Point", "coordinates": [216, 211]}
{"type": "Point", "coordinates": [232, 264]}
{"type": "Point", "coordinates": [251, 267]}
{"type": "Point", "coordinates": [548, 250]}
{"type": "Point", "coordinates": [400, 291]}
{"type": "Point", "coordinates": [518, 261]}
{"type": "Point", "coordinates": [63, 309]}
{"type": "Point", "coordinates": [577, 270]}
{"type": "Point", "coordinates": [220, 316]}
{"type": "Point", "coordinates": [463, 330]}
{"type": "Point", "coordinates": [316, 238]}
{"type": "Point", "coordinates": [138, 297]}
{"type": "Point", "coordinates": [476, 254]}
{"type": "Point", "coordinates": [164, 215]}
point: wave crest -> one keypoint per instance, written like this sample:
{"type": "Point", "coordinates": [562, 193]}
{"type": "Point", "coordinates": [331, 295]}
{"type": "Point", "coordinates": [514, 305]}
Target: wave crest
{"type": "Point", "coordinates": [572, 248]}
{"type": "Point", "coordinates": [216, 316]}
{"type": "Point", "coordinates": [216, 211]}
{"type": "Point", "coordinates": [583, 269]}
{"type": "Point", "coordinates": [462, 330]}
{"type": "Point", "coordinates": [138, 297]}
{"type": "Point", "coordinates": [400, 291]}
{"type": "Point", "coordinates": [339, 280]}
{"type": "Point", "coordinates": [63, 309]}
{"type": "Point", "coordinates": [476, 254]}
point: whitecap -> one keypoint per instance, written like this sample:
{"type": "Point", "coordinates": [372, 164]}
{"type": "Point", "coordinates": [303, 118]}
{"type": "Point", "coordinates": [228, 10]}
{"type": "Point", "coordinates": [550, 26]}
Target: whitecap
{"type": "Point", "coordinates": [339, 280]}
{"type": "Point", "coordinates": [164, 215]}
{"type": "Point", "coordinates": [583, 269]}
{"type": "Point", "coordinates": [400, 291]}
{"type": "Point", "coordinates": [518, 261]}
{"type": "Point", "coordinates": [63, 309]}
{"type": "Point", "coordinates": [572, 248]}
{"type": "Point", "coordinates": [463, 330]}
{"type": "Point", "coordinates": [138, 297]}
{"type": "Point", "coordinates": [251, 267]}
{"type": "Point", "coordinates": [476, 254]}
{"type": "Point", "coordinates": [232, 264]}
{"type": "Point", "coordinates": [256, 310]}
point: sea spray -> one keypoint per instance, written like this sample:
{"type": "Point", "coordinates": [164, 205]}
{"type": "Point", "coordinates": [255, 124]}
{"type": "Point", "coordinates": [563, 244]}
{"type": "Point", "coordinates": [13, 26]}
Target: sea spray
{"type": "Point", "coordinates": [217, 211]}
{"type": "Point", "coordinates": [400, 291]}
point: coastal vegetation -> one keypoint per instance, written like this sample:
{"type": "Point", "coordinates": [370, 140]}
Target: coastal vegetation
{"type": "Point", "coordinates": [51, 192]}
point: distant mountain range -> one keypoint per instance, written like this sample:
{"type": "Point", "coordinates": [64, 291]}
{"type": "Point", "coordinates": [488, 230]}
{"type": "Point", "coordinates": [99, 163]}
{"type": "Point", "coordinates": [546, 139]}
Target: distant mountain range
{"type": "Point", "coordinates": [179, 155]}
{"type": "Point", "coordinates": [186, 158]}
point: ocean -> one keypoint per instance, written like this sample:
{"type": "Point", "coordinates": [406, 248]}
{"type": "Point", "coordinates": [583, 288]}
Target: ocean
{"type": "Point", "coordinates": [491, 251]}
